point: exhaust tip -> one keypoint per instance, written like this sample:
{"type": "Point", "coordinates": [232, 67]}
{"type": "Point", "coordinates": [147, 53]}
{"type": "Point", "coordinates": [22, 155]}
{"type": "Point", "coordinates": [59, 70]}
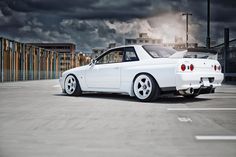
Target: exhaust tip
{"type": "Point", "coordinates": [189, 91]}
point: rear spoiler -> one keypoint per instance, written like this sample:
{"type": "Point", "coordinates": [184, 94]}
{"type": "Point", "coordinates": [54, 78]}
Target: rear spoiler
{"type": "Point", "coordinates": [212, 51]}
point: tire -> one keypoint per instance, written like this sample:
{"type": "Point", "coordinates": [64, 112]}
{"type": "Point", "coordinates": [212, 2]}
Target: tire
{"type": "Point", "coordinates": [145, 88]}
{"type": "Point", "coordinates": [71, 85]}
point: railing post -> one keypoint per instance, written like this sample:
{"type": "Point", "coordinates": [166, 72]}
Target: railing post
{"type": "Point", "coordinates": [8, 68]}
{"type": "Point", "coordinates": [30, 64]}
{"type": "Point", "coordinates": [23, 62]}
{"type": "Point", "coordinates": [39, 62]}
{"type": "Point", "coordinates": [54, 65]}
{"type": "Point", "coordinates": [49, 64]}
{"type": "Point", "coordinates": [47, 60]}
{"type": "Point", "coordinates": [13, 61]}
{"type": "Point", "coordinates": [2, 60]}
{"type": "Point", "coordinates": [59, 64]}
{"type": "Point", "coordinates": [226, 51]}
{"type": "Point", "coordinates": [45, 64]}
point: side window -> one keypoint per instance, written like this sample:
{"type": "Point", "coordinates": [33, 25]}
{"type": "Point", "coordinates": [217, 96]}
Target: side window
{"type": "Point", "coordinates": [130, 54]}
{"type": "Point", "coordinates": [114, 56]}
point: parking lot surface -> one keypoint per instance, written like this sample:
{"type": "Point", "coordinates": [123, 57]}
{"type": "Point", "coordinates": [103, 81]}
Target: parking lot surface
{"type": "Point", "coordinates": [37, 120]}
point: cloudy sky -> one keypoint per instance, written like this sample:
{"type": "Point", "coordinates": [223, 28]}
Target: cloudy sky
{"type": "Point", "coordinates": [95, 23]}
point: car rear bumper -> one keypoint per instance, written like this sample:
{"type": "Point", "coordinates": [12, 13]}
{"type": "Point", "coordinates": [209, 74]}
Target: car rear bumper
{"type": "Point", "coordinates": [185, 81]}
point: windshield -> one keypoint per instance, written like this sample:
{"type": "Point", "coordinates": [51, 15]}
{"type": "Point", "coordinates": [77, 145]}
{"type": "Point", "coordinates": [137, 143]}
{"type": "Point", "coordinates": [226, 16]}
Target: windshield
{"type": "Point", "coordinates": [159, 52]}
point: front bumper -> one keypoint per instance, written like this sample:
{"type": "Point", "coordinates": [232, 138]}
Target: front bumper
{"type": "Point", "coordinates": [185, 81]}
{"type": "Point", "coordinates": [61, 81]}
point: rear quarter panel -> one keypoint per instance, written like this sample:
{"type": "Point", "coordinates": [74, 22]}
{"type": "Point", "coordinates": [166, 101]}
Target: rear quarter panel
{"type": "Point", "coordinates": [162, 69]}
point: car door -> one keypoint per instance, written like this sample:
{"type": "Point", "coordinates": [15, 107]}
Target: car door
{"type": "Point", "coordinates": [105, 73]}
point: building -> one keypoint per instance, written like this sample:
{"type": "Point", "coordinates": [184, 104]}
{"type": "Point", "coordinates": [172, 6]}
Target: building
{"type": "Point", "coordinates": [66, 52]}
{"type": "Point", "coordinates": [179, 44]}
{"type": "Point", "coordinates": [142, 39]}
{"type": "Point", "coordinates": [111, 45]}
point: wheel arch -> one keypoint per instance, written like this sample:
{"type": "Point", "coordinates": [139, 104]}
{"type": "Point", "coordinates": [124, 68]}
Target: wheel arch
{"type": "Point", "coordinates": [69, 75]}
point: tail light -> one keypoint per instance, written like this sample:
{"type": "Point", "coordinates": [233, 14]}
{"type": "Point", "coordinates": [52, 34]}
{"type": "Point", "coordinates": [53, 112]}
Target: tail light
{"type": "Point", "coordinates": [183, 67]}
{"type": "Point", "coordinates": [191, 67]}
{"type": "Point", "coordinates": [219, 68]}
{"type": "Point", "coordinates": [215, 67]}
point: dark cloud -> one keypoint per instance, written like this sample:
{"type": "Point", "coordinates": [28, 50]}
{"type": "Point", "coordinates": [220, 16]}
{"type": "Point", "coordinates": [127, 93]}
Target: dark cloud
{"type": "Point", "coordinates": [6, 11]}
{"type": "Point", "coordinates": [95, 23]}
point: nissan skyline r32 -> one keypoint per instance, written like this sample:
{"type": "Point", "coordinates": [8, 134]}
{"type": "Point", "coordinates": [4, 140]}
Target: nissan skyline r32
{"type": "Point", "coordinates": [146, 72]}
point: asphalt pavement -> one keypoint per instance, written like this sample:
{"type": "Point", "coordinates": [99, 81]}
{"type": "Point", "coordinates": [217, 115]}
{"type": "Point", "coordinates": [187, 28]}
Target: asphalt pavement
{"type": "Point", "coordinates": [37, 120]}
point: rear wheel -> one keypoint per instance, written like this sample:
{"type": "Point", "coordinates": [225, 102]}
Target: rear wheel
{"type": "Point", "coordinates": [72, 86]}
{"type": "Point", "coordinates": [145, 88]}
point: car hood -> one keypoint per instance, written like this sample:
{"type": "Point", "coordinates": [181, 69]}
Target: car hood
{"type": "Point", "coordinates": [76, 69]}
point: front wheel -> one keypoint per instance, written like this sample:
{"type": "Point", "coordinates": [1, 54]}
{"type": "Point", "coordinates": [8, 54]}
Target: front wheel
{"type": "Point", "coordinates": [145, 88]}
{"type": "Point", "coordinates": [72, 86]}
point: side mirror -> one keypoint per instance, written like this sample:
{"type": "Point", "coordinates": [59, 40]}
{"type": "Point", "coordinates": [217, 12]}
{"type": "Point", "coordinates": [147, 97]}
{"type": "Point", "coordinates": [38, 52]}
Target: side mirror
{"type": "Point", "coordinates": [93, 62]}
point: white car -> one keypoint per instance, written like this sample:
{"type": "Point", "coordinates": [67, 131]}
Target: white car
{"type": "Point", "coordinates": [145, 71]}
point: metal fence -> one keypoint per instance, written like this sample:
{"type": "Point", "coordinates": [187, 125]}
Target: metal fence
{"type": "Point", "coordinates": [227, 59]}
{"type": "Point", "coordinates": [20, 61]}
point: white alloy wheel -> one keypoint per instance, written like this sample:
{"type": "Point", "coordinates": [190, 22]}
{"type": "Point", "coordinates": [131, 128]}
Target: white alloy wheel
{"type": "Point", "coordinates": [70, 85]}
{"type": "Point", "coordinates": [143, 86]}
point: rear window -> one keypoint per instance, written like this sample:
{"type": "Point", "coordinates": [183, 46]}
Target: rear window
{"type": "Point", "coordinates": [159, 52]}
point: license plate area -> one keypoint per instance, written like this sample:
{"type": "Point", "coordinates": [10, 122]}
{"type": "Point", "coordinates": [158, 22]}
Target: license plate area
{"type": "Point", "coordinates": [205, 81]}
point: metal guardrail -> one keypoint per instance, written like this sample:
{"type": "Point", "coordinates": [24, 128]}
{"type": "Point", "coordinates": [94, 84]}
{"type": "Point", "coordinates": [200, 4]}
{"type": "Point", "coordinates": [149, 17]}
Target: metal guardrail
{"type": "Point", "coordinates": [20, 61]}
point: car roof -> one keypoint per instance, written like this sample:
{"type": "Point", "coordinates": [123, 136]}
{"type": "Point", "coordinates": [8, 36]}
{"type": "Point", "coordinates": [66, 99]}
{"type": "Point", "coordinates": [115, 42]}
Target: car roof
{"type": "Point", "coordinates": [122, 46]}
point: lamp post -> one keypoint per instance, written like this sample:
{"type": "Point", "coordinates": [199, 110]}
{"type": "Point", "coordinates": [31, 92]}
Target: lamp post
{"type": "Point", "coordinates": [187, 15]}
{"type": "Point", "coordinates": [208, 40]}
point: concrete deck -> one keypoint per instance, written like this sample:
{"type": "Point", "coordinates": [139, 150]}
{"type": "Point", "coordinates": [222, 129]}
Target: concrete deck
{"type": "Point", "coordinates": [37, 120]}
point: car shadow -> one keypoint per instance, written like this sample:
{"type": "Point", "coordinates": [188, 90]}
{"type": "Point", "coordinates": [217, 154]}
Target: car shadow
{"type": "Point", "coordinates": [178, 100]}
{"type": "Point", "coordinates": [112, 96]}
{"type": "Point", "coordinates": [122, 97]}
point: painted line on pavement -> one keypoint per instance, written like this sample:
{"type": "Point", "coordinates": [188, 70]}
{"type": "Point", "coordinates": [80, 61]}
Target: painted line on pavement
{"type": "Point", "coordinates": [184, 119]}
{"type": "Point", "coordinates": [201, 109]}
{"type": "Point", "coordinates": [215, 137]}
